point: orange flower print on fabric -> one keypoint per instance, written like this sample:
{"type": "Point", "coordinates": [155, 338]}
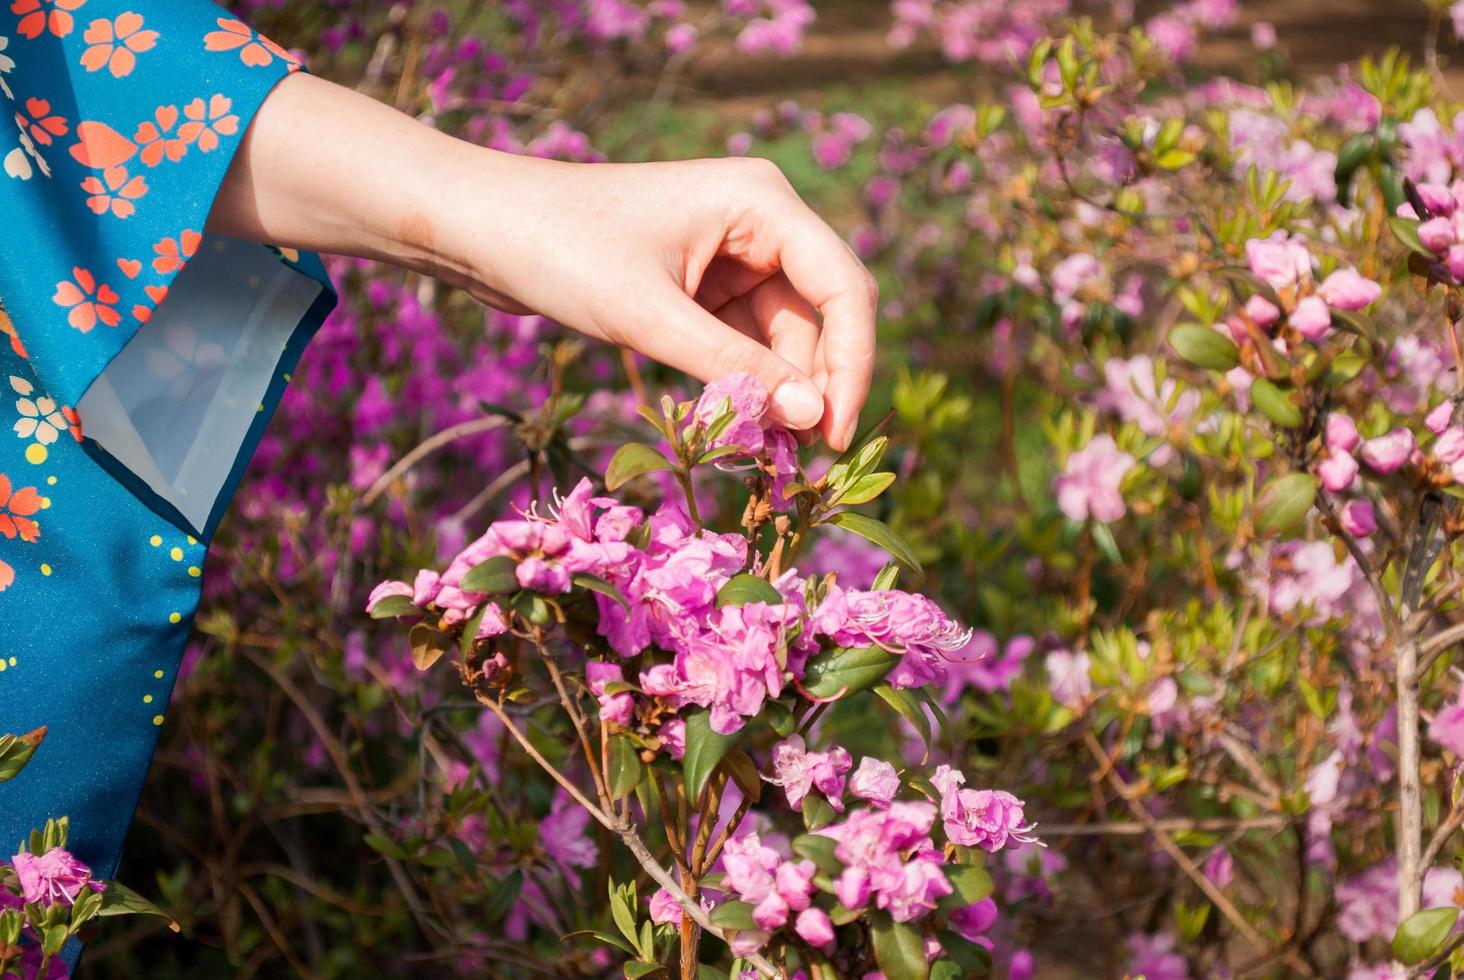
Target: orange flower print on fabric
{"type": "Point", "coordinates": [8, 329]}
{"type": "Point", "coordinates": [37, 121]}
{"type": "Point", "coordinates": [158, 138]}
{"type": "Point", "coordinates": [16, 510]}
{"type": "Point", "coordinates": [99, 146]}
{"type": "Point", "coordinates": [39, 16]}
{"type": "Point", "coordinates": [208, 121]}
{"type": "Point", "coordinates": [114, 191]}
{"type": "Point", "coordinates": [115, 45]}
{"type": "Point", "coordinates": [173, 253]}
{"type": "Point", "coordinates": [7, 576]}
{"type": "Point", "coordinates": [73, 423]}
{"type": "Point", "coordinates": [88, 301]}
{"type": "Point", "coordinates": [255, 50]}
{"type": "Point", "coordinates": [143, 312]}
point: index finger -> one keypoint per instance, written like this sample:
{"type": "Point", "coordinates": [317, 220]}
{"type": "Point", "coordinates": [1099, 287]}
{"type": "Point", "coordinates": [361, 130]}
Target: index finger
{"type": "Point", "coordinates": [829, 276]}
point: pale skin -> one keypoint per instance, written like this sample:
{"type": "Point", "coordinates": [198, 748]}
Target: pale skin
{"type": "Point", "coordinates": [709, 266]}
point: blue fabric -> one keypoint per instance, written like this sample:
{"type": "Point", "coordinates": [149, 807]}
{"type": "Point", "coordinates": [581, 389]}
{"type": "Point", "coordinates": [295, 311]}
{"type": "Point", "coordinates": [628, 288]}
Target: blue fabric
{"type": "Point", "coordinates": [100, 573]}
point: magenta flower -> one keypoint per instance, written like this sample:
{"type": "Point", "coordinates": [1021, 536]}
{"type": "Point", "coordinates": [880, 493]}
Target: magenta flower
{"type": "Point", "coordinates": [664, 909]}
{"type": "Point", "coordinates": [1447, 727]}
{"type": "Point", "coordinates": [1389, 452]}
{"type": "Point", "coordinates": [799, 772]}
{"type": "Point", "coordinates": [986, 818]}
{"type": "Point", "coordinates": [55, 877]}
{"type": "Point", "coordinates": [1341, 433]}
{"type": "Point", "coordinates": [1089, 483]}
{"type": "Point", "coordinates": [1311, 318]}
{"type": "Point", "coordinates": [1280, 262]}
{"type": "Point", "coordinates": [747, 400]}
{"type": "Point", "coordinates": [1439, 417]}
{"type": "Point", "coordinates": [813, 927]}
{"type": "Point", "coordinates": [1262, 311]}
{"type": "Point", "coordinates": [1358, 518]}
{"type": "Point", "coordinates": [616, 708]}
{"type": "Point", "coordinates": [1346, 290]}
{"type": "Point", "coordinates": [1338, 470]}
{"type": "Point", "coordinates": [875, 781]}
{"type": "Point", "coordinates": [562, 835]}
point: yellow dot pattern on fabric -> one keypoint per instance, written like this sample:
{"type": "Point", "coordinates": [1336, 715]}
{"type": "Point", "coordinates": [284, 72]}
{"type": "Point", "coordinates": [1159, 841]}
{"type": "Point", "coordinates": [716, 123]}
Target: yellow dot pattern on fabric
{"type": "Point", "coordinates": [195, 571]}
{"type": "Point", "coordinates": [36, 453]}
{"type": "Point", "coordinates": [158, 674]}
{"type": "Point", "coordinates": [156, 540]}
{"type": "Point", "coordinates": [157, 719]}
{"type": "Point", "coordinates": [45, 503]}
{"type": "Point", "coordinates": [50, 481]}
{"type": "Point", "coordinates": [147, 699]}
{"type": "Point", "coordinates": [174, 617]}
{"type": "Point", "coordinates": [45, 569]}
{"type": "Point", "coordinates": [2, 666]}
{"type": "Point", "coordinates": [176, 554]}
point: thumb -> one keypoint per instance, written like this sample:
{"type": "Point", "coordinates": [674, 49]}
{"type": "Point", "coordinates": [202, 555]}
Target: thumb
{"type": "Point", "coordinates": [687, 337]}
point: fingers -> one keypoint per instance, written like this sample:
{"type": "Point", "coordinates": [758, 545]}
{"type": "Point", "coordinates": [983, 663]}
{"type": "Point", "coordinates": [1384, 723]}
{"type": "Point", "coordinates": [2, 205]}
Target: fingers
{"type": "Point", "coordinates": [685, 336]}
{"type": "Point", "coordinates": [824, 271]}
{"type": "Point", "coordinates": [788, 322]}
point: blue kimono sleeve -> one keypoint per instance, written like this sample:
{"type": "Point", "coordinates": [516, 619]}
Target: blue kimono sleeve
{"type": "Point", "coordinates": [162, 348]}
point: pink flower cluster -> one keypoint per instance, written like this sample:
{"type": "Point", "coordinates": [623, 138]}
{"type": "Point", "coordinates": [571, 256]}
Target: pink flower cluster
{"type": "Point", "coordinates": [985, 818]}
{"type": "Point", "coordinates": [775, 887]}
{"type": "Point", "coordinates": [54, 877]}
{"type": "Point", "coordinates": [1285, 265]}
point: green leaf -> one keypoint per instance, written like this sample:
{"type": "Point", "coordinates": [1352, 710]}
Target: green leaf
{"type": "Point", "coordinates": [704, 749]}
{"type": "Point", "coordinates": [1175, 159]}
{"type": "Point", "coordinates": [865, 489]}
{"type": "Point", "coordinates": [634, 971]}
{"type": "Point", "coordinates": [16, 751]}
{"type": "Point", "coordinates": [632, 460]}
{"type": "Point", "coordinates": [817, 812]}
{"type": "Point", "coordinates": [846, 670]}
{"type": "Point", "coordinates": [384, 846]}
{"type": "Point", "coordinates": [899, 949]}
{"type": "Point", "coordinates": [428, 644]}
{"type": "Point", "coordinates": [707, 972]}
{"type": "Point", "coordinates": [496, 576]}
{"type": "Point", "coordinates": [1423, 934]}
{"type": "Point", "coordinates": [503, 897]}
{"type": "Point", "coordinates": [970, 883]}
{"type": "Point", "coordinates": [393, 606]}
{"type": "Point", "coordinates": [820, 850]}
{"type": "Point", "coordinates": [973, 959]}
{"type": "Point", "coordinates": [880, 533]}
{"type": "Point", "coordinates": [1275, 403]}
{"type": "Point", "coordinates": [118, 899]}
{"type": "Point", "coordinates": [886, 578]}
{"type": "Point", "coordinates": [1285, 501]}
{"type": "Point", "coordinates": [910, 709]}
{"type": "Point", "coordinates": [733, 915]}
{"type": "Point", "coordinates": [626, 768]}
{"type": "Point", "coordinates": [1406, 231]}
{"type": "Point", "coordinates": [603, 937]}
{"type": "Point", "coordinates": [745, 588]}
{"type": "Point", "coordinates": [596, 584]}
{"type": "Point", "coordinates": [743, 771]}
{"type": "Point", "coordinates": [1204, 347]}
{"type": "Point", "coordinates": [622, 910]}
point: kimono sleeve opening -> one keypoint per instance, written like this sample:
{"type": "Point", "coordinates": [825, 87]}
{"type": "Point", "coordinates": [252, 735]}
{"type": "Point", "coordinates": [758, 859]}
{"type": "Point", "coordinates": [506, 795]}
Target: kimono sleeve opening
{"type": "Point", "coordinates": [171, 344]}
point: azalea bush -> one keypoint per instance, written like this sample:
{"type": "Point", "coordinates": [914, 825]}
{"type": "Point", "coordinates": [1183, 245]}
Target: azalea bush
{"type": "Point", "coordinates": [1174, 364]}
{"type": "Point", "coordinates": [681, 668]}
{"type": "Point", "coordinates": [46, 894]}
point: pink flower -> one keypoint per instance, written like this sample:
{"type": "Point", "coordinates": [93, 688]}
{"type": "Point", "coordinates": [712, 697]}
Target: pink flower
{"type": "Point", "coordinates": [1447, 727]}
{"type": "Point", "coordinates": [664, 908]}
{"type": "Point", "coordinates": [1449, 447]}
{"type": "Point", "coordinates": [1311, 318]}
{"type": "Point", "coordinates": [385, 591]}
{"type": "Point", "coordinates": [1346, 290]}
{"type": "Point", "coordinates": [1089, 483]}
{"type": "Point", "coordinates": [55, 877]}
{"type": "Point", "coordinates": [1067, 677]}
{"type": "Point", "coordinates": [1358, 519]}
{"type": "Point", "coordinates": [798, 771]}
{"type": "Point", "coordinates": [617, 708]}
{"type": "Point", "coordinates": [1280, 262]}
{"type": "Point", "coordinates": [1387, 453]}
{"type": "Point", "coordinates": [562, 835]}
{"type": "Point", "coordinates": [813, 927]}
{"type": "Point", "coordinates": [1436, 234]}
{"type": "Point", "coordinates": [1341, 433]}
{"type": "Point", "coordinates": [747, 400]}
{"type": "Point", "coordinates": [875, 781]}
{"type": "Point", "coordinates": [1439, 417]}
{"type": "Point", "coordinates": [986, 818]}
{"type": "Point", "coordinates": [1337, 471]}
{"type": "Point", "coordinates": [1262, 311]}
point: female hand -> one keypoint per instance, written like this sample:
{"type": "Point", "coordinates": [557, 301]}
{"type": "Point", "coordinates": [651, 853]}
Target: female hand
{"type": "Point", "coordinates": [710, 266]}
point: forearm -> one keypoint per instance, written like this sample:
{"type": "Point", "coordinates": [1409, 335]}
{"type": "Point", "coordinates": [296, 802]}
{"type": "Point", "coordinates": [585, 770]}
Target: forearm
{"type": "Point", "coordinates": [324, 168]}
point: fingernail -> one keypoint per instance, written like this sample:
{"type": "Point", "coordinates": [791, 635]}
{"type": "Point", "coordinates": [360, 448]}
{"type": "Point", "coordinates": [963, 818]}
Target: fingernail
{"type": "Point", "coordinates": [799, 404]}
{"type": "Point", "coordinates": [850, 430]}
